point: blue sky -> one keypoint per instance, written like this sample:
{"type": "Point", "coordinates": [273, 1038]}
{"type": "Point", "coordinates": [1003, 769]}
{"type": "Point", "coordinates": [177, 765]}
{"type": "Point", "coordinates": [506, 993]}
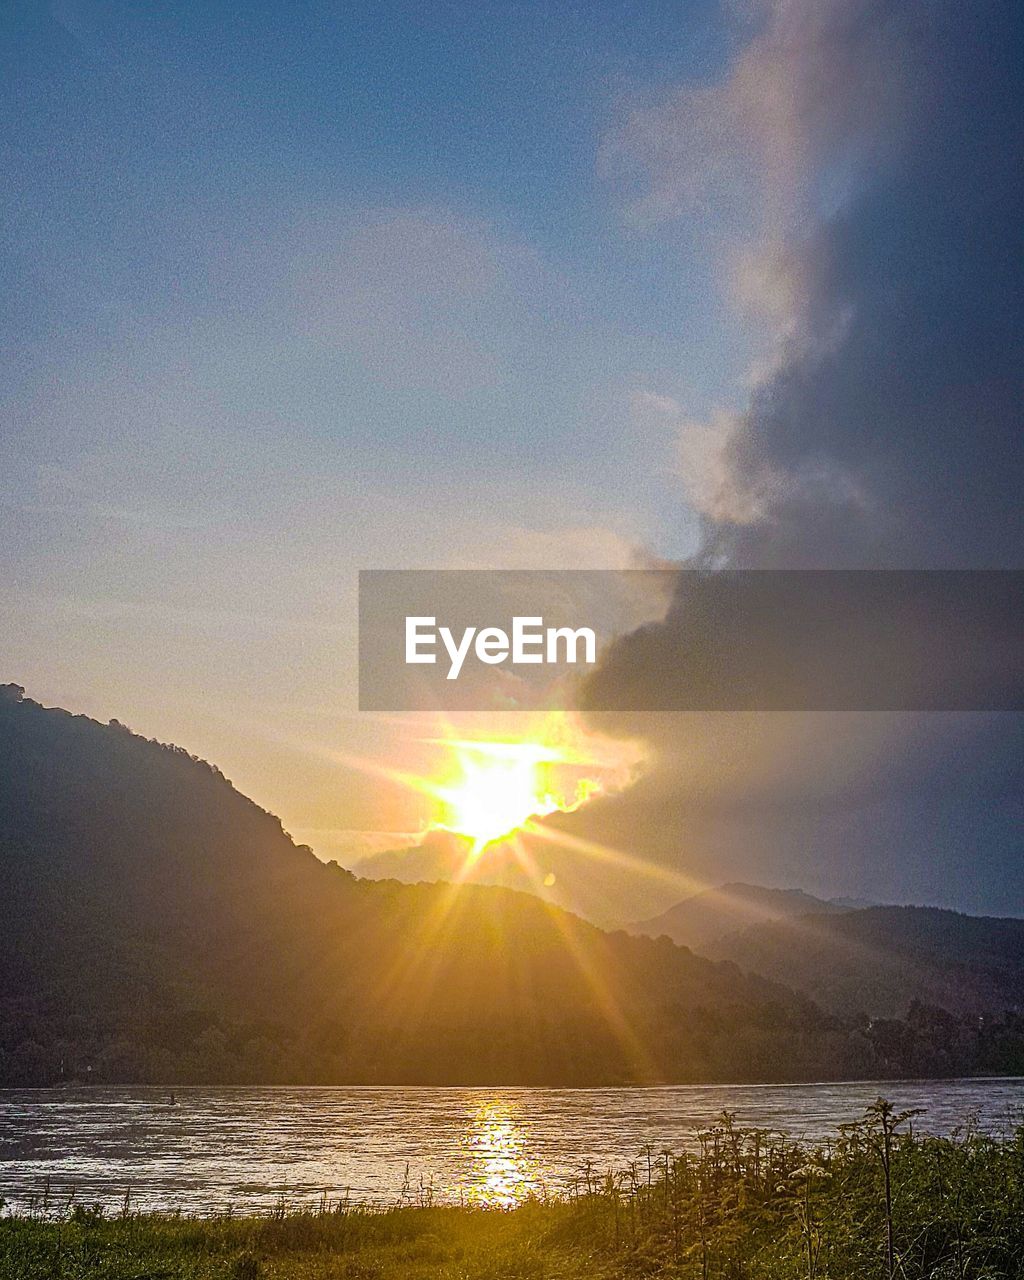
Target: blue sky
{"type": "Point", "coordinates": [495, 108]}
{"type": "Point", "coordinates": [300, 289]}
{"type": "Point", "coordinates": [180, 177]}
{"type": "Point", "coordinates": [139, 140]}
{"type": "Point", "coordinates": [297, 289]}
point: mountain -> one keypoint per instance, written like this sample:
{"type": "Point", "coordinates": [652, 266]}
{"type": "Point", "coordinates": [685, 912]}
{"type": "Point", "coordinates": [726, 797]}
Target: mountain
{"type": "Point", "coordinates": [880, 960]}
{"type": "Point", "coordinates": [158, 926]}
{"type": "Point", "coordinates": [705, 917]}
{"type": "Point", "coordinates": [854, 958]}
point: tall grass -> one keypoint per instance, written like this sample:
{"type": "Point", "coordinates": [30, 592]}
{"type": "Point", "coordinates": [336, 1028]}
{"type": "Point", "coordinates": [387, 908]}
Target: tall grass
{"type": "Point", "coordinates": [877, 1202]}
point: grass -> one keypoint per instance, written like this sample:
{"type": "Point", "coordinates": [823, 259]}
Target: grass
{"type": "Point", "coordinates": [878, 1201]}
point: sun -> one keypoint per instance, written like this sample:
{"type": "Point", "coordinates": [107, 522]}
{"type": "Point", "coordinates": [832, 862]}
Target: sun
{"type": "Point", "coordinates": [489, 789]}
{"type": "Point", "coordinates": [495, 788]}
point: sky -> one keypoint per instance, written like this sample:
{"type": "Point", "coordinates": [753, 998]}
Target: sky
{"type": "Point", "coordinates": [294, 290]}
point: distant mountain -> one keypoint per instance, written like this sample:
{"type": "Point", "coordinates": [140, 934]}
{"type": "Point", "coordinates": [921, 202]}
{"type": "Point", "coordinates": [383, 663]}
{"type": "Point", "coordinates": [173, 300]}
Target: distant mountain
{"type": "Point", "coordinates": [880, 960]}
{"type": "Point", "coordinates": [158, 926]}
{"type": "Point", "coordinates": [705, 917]}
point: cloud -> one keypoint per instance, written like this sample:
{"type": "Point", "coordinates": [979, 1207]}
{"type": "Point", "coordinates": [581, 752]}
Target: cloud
{"type": "Point", "coordinates": [711, 485]}
{"type": "Point", "coordinates": [882, 147]}
{"type": "Point", "coordinates": [862, 161]}
{"type": "Point", "coordinates": [817, 91]}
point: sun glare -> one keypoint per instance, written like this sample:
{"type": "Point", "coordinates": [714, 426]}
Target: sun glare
{"type": "Point", "coordinates": [489, 789]}
{"type": "Point", "coordinates": [496, 788]}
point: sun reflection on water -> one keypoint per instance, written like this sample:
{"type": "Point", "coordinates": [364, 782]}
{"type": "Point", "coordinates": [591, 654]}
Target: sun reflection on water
{"type": "Point", "coordinates": [502, 1173]}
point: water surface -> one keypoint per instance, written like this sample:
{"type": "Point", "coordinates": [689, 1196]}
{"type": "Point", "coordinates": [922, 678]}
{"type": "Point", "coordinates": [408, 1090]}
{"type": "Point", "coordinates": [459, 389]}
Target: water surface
{"type": "Point", "coordinates": [247, 1148]}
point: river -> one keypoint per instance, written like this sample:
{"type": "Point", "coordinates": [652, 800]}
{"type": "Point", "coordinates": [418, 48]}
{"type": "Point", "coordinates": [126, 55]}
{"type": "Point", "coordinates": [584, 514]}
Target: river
{"type": "Point", "coordinates": [251, 1149]}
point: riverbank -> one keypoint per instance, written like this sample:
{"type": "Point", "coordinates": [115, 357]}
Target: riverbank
{"type": "Point", "coordinates": [471, 1146]}
{"type": "Point", "coordinates": [878, 1200]}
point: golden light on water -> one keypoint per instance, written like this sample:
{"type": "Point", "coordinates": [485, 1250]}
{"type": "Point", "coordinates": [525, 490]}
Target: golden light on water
{"type": "Point", "coordinates": [502, 1173]}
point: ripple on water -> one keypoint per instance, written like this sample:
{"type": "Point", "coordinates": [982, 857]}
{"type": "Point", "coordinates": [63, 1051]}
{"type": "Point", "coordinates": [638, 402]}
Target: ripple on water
{"type": "Point", "coordinates": [248, 1148]}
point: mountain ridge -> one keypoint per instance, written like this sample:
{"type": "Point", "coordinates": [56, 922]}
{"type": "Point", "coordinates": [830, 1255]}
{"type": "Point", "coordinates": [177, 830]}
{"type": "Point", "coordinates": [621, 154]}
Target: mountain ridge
{"type": "Point", "coordinates": [159, 926]}
{"type": "Point", "coordinates": [711, 913]}
{"type": "Point", "coordinates": [881, 959]}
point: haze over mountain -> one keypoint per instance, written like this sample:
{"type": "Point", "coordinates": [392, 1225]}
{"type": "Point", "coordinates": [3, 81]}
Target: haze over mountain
{"type": "Point", "coordinates": [706, 917]}
{"type": "Point", "coordinates": [854, 958]}
{"type": "Point", "coordinates": [157, 925]}
{"type": "Point", "coordinates": [881, 959]}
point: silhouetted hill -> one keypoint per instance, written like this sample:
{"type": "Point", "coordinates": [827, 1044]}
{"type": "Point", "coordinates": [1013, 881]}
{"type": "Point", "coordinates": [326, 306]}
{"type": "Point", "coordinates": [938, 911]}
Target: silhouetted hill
{"type": "Point", "coordinates": [882, 959]}
{"type": "Point", "coordinates": [705, 917]}
{"type": "Point", "coordinates": [156, 925]}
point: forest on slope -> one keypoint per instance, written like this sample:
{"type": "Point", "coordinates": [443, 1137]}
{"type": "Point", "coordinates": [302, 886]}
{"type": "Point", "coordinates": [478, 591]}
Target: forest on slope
{"type": "Point", "coordinates": [158, 926]}
{"type": "Point", "coordinates": [855, 958]}
{"type": "Point", "coordinates": [882, 959]}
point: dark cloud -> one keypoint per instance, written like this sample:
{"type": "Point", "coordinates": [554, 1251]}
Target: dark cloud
{"type": "Point", "coordinates": [887, 144]}
{"type": "Point", "coordinates": [889, 431]}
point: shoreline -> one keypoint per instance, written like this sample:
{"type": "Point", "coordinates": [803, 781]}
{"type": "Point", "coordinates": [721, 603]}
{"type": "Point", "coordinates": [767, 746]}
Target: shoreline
{"type": "Point", "coordinates": [89, 1086]}
{"type": "Point", "coordinates": [746, 1203]}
